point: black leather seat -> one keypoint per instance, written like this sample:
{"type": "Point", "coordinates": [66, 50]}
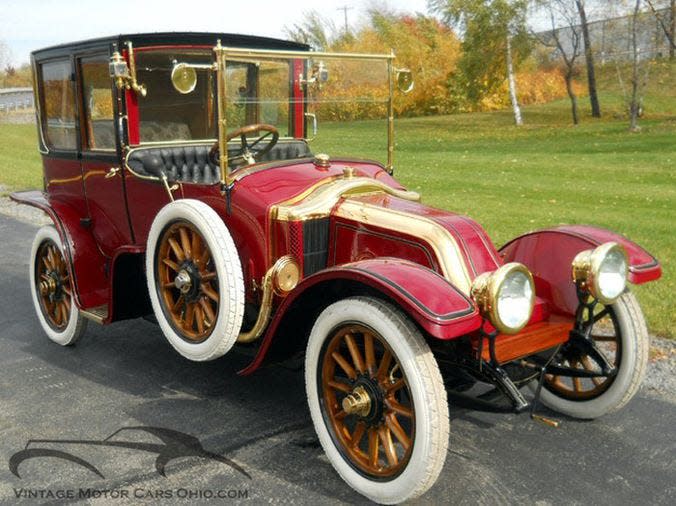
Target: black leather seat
{"type": "Point", "coordinates": [191, 163]}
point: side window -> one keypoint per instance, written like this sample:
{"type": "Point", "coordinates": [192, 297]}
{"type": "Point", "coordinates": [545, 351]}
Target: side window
{"type": "Point", "coordinates": [58, 113]}
{"type": "Point", "coordinates": [98, 104]}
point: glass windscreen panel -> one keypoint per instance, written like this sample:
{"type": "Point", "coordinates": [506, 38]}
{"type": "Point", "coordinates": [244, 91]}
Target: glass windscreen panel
{"type": "Point", "coordinates": [164, 113]}
{"type": "Point", "coordinates": [342, 102]}
{"type": "Point", "coordinates": [350, 108]}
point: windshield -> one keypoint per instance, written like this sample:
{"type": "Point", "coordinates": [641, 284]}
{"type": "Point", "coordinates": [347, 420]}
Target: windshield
{"type": "Point", "coordinates": [338, 104]}
{"type": "Point", "coordinates": [164, 113]}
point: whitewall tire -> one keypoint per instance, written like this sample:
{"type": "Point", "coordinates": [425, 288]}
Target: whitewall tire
{"type": "Point", "coordinates": [622, 336]}
{"type": "Point", "coordinates": [195, 280]}
{"type": "Point", "coordinates": [396, 405]}
{"type": "Point", "coordinates": [52, 289]}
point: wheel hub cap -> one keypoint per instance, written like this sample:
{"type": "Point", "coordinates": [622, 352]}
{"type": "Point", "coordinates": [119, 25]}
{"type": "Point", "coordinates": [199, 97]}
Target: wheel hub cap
{"type": "Point", "coordinates": [358, 402]}
{"type": "Point", "coordinates": [183, 281]}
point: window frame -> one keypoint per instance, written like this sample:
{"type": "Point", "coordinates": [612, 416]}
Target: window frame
{"type": "Point", "coordinates": [104, 54]}
{"type": "Point", "coordinates": [51, 149]}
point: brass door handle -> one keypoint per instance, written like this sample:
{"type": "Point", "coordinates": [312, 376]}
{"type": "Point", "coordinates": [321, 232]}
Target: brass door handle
{"type": "Point", "coordinates": [112, 172]}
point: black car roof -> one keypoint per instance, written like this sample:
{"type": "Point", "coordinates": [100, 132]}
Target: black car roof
{"type": "Point", "coordinates": [170, 38]}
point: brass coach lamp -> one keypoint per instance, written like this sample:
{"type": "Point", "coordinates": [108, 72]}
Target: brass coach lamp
{"type": "Point", "coordinates": [602, 272]}
{"type": "Point", "coordinates": [505, 297]}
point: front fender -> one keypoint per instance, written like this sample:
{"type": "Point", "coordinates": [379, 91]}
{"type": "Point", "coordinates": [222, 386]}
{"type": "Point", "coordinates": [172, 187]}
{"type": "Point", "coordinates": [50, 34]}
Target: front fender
{"type": "Point", "coordinates": [549, 254]}
{"type": "Point", "coordinates": [429, 299]}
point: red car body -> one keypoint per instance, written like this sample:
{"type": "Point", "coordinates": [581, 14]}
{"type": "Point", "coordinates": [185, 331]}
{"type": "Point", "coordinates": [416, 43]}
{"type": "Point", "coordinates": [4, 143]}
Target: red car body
{"type": "Point", "coordinates": [352, 228]}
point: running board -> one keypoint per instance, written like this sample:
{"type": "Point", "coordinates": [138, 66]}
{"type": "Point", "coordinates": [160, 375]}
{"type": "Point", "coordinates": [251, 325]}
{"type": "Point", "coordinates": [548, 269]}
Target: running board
{"type": "Point", "coordinates": [98, 314]}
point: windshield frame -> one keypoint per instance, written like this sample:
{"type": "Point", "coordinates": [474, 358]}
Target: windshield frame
{"type": "Point", "coordinates": [223, 54]}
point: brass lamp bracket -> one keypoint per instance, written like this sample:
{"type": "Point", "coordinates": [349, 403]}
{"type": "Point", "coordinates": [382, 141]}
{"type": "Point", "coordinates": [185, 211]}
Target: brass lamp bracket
{"type": "Point", "coordinates": [125, 75]}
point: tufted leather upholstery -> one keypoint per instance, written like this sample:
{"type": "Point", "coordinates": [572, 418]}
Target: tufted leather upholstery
{"type": "Point", "coordinates": [191, 163]}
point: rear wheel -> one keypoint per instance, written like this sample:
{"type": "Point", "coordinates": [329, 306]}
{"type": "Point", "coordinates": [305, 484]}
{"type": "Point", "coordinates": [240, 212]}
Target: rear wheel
{"type": "Point", "coordinates": [52, 289]}
{"type": "Point", "coordinates": [620, 336]}
{"type": "Point", "coordinates": [377, 400]}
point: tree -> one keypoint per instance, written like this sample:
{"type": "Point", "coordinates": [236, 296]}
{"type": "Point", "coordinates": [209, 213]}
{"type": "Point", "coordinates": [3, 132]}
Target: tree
{"type": "Point", "coordinates": [562, 15]}
{"type": "Point", "coordinates": [314, 30]}
{"type": "Point", "coordinates": [638, 81]}
{"type": "Point", "coordinates": [668, 25]}
{"type": "Point", "coordinates": [494, 39]}
{"type": "Point", "coordinates": [589, 59]}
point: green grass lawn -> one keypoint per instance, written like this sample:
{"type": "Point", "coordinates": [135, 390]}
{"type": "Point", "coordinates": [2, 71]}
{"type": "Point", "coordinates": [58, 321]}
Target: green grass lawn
{"type": "Point", "coordinates": [511, 179]}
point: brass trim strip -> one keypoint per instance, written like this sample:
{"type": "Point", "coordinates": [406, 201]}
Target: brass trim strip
{"type": "Point", "coordinates": [319, 200]}
{"type": "Point", "coordinates": [263, 53]}
{"type": "Point", "coordinates": [444, 245]}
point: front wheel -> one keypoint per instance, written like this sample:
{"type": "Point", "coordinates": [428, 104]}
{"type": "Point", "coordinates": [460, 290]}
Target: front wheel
{"type": "Point", "coordinates": [377, 400]}
{"type": "Point", "coordinates": [620, 335]}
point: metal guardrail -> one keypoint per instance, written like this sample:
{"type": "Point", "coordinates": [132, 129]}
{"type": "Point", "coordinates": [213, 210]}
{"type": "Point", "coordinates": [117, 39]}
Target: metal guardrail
{"type": "Point", "coordinates": [13, 99]}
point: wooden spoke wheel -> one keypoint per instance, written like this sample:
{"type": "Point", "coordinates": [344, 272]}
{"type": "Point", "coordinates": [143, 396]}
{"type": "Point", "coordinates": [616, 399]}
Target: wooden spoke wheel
{"type": "Point", "coordinates": [605, 332]}
{"type": "Point", "coordinates": [53, 285]}
{"type": "Point", "coordinates": [188, 281]}
{"type": "Point", "coordinates": [52, 289]}
{"type": "Point", "coordinates": [195, 280]}
{"type": "Point", "coordinates": [377, 399]}
{"type": "Point", "coordinates": [367, 401]}
{"type": "Point", "coordinates": [618, 340]}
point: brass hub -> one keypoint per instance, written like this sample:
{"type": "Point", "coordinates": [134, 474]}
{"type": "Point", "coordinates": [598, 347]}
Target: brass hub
{"type": "Point", "coordinates": [358, 402]}
{"type": "Point", "coordinates": [48, 287]}
{"type": "Point", "coordinates": [183, 281]}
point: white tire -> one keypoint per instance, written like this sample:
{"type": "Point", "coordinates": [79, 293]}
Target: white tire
{"type": "Point", "coordinates": [202, 323]}
{"type": "Point", "coordinates": [56, 309]}
{"type": "Point", "coordinates": [634, 344]}
{"type": "Point", "coordinates": [418, 466]}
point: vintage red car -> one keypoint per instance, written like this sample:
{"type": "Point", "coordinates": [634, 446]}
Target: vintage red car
{"type": "Point", "coordinates": [202, 179]}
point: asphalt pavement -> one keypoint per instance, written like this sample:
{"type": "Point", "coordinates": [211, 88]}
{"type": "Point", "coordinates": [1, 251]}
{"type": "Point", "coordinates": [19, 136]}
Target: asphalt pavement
{"type": "Point", "coordinates": [196, 433]}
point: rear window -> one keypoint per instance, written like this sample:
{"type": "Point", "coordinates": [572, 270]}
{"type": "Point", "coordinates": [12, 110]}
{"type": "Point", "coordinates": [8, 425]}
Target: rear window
{"type": "Point", "coordinates": [58, 111]}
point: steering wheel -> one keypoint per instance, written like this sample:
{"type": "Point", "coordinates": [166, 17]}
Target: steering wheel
{"type": "Point", "coordinates": [247, 151]}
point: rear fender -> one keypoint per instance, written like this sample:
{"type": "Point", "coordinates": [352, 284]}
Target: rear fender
{"type": "Point", "coordinates": [549, 254]}
{"type": "Point", "coordinates": [432, 302]}
{"type": "Point", "coordinates": [86, 264]}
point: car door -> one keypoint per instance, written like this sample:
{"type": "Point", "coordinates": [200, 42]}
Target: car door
{"type": "Point", "coordinates": [101, 165]}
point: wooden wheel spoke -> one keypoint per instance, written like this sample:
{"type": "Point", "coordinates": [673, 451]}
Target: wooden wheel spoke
{"type": "Point", "coordinates": [44, 277]}
{"type": "Point", "coordinates": [386, 439]}
{"type": "Point", "coordinates": [189, 317]}
{"type": "Point", "coordinates": [209, 292]}
{"type": "Point", "coordinates": [398, 430]}
{"type": "Point", "coordinates": [196, 246]}
{"type": "Point", "coordinates": [358, 434]}
{"type": "Point", "coordinates": [339, 385]}
{"type": "Point", "coordinates": [340, 415]}
{"type": "Point", "coordinates": [171, 264]}
{"type": "Point", "coordinates": [208, 276]}
{"type": "Point", "coordinates": [208, 311]}
{"type": "Point", "coordinates": [385, 362]}
{"type": "Point", "coordinates": [373, 447]}
{"type": "Point", "coordinates": [185, 242]}
{"type": "Point", "coordinates": [399, 409]}
{"type": "Point", "coordinates": [590, 367]}
{"type": "Point", "coordinates": [177, 305]}
{"type": "Point", "coordinates": [64, 312]}
{"type": "Point", "coordinates": [393, 387]}
{"type": "Point", "coordinates": [66, 303]}
{"type": "Point", "coordinates": [199, 318]}
{"type": "Point", "coordinates": [180, 256]}
{"type": "Point", "coordinates": [577, 382]}
{"type": "Point", "coordinates": [370, 353]}
{"type": "Point", "coordinates": [345, 366]}
{"type": "Point", "coordinates": [354, 353]}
